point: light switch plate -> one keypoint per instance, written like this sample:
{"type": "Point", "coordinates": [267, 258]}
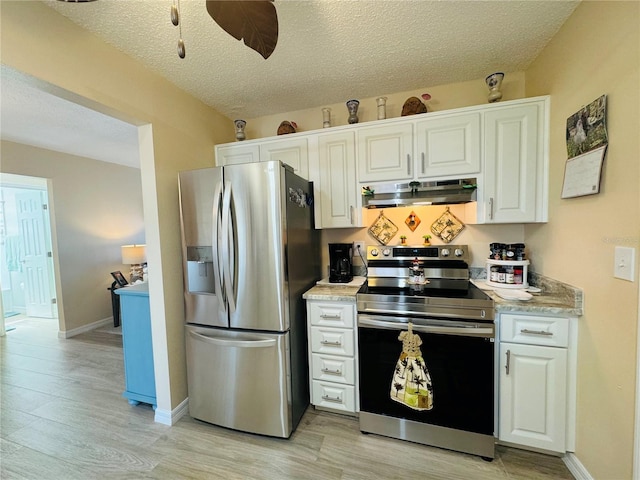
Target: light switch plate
{"type": "Point", "coordinates": [625, 261]}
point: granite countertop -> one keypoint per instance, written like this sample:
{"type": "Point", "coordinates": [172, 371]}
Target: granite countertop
{"type": "Point", "coordinates": [335, 292]}
{"type": "Point", "coordinates": [555, 298]}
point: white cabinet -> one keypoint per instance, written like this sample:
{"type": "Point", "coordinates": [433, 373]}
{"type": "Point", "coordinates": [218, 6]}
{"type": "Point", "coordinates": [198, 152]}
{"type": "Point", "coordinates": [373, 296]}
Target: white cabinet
{"type": "Point", "coordinates": [420, 148]}
{"type": "Point", "coordinates": [291, 151]}
{"type": "Point", "coordinates": [332, 355]}
{"type": "Point", "coordinates": [337, 194]}
{"type": "Point", "coordinates": [515, 171]}
{"type": "Point", "coordinates": [448, 145]}
{"type": "Point", "coordinates": [385, 152]}
{"type": "Point", "coordinates": [535, 387]}
{"type": "Point", "coordinates": [234, 153]}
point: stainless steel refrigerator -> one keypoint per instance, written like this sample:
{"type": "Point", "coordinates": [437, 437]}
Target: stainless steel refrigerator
{"type": "Point", "coordinates": [249, 251]}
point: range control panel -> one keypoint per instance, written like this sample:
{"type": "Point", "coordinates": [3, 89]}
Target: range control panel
{"type": "Point", "coordinates": [440, 252]}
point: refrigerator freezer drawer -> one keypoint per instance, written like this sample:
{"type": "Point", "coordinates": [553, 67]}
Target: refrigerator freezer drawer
{"type": "Point", "coordinates": [240, 380]}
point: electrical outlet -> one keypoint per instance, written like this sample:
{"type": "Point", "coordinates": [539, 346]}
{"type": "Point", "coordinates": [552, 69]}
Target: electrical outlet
{"type": "Point", "coordinates": [355, 248]}
{"type": "Point", "coordinates": [624, 263]}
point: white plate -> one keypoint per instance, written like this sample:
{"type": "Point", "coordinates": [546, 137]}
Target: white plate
{"type": "Point", "coordinates": [482, 285]}
{"type": "Point", "coordinates": [513, 294]}
{"type": "Point", "coordinates": [534, 290]}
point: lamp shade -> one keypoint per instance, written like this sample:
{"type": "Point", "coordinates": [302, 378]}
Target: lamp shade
{"type": "Point", "coordinates": [133, 254]}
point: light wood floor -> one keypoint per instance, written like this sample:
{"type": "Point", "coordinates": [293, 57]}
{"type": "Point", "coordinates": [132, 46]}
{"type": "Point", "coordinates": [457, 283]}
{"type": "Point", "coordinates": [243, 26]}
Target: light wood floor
{"type": "Point", "coordinates": [62, 416]}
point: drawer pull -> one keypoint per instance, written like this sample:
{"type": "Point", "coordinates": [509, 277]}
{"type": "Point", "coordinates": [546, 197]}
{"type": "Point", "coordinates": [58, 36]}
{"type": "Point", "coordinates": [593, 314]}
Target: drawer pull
{"type": "Point", "coordinates": [324, 315]}
{"type": "Point", "coordinates": [332, 372]}
{"type": "Point", "coordinates": [335, 344]}
{"type": "Point", "coordinates": [526, 331]}
{"type": "Point", "coordinates": [332, 399]}
{"type": "Point", "coordinates": [506, 366]}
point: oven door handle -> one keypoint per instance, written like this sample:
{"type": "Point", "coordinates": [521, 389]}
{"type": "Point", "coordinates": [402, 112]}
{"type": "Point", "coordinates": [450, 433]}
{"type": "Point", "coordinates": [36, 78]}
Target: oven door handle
{"type": "Point", "coordinates": [470, 330]}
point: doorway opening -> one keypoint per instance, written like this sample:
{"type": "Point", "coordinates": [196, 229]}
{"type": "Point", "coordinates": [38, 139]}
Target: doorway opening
{"type": "Point", "coordinates": [26, 264]}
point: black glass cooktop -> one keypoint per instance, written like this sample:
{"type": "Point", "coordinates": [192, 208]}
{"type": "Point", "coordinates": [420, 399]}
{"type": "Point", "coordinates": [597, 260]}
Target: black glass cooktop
{"type": "Point", "coordinates": [439, 287]}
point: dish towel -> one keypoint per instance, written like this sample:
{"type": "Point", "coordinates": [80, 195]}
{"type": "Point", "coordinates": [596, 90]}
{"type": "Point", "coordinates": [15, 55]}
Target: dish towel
{"type": "Point", "coordinates": [411, 384]}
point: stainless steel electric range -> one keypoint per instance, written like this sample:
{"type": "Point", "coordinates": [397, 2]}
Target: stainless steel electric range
{"type": "Point", "coordinates": [426, 349]}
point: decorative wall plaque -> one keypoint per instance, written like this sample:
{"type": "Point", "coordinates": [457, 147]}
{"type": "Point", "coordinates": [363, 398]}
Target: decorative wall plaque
{"type": "Point", "coordinates": [412, 221]}
{"type": "Point", "coordinates": [383, 229]}
{"type": "Point", "coordinates": [447, 227]}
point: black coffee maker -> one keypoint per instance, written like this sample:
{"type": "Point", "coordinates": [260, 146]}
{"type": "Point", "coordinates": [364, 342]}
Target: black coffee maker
{"type": "Point", "coordinates": [340, 262]}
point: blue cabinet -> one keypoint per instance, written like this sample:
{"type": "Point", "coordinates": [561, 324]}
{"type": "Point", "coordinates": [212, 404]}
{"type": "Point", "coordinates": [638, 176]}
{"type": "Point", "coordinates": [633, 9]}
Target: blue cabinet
{"type": "Point", "coordinates": [137, 345]}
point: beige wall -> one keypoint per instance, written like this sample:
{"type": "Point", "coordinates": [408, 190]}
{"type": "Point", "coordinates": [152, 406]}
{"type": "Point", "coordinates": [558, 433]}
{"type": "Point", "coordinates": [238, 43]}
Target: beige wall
{"type": "Point", "coordinates": [97, 207]}
{"type": "Point", "coordinates": [596, 52]}
{"type": "Point", "coordinates": [183, 131]}
{"type": "Point", "coordinates": [443, 97]}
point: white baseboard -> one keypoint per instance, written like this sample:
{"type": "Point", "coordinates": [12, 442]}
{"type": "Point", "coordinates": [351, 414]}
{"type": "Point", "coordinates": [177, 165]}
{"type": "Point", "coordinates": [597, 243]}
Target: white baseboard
{"type": "Point", "coordinates": [171, 417]}
{"type": "Point", "coordinates": [85, 328]}
{"type": "Point", "coordinates": [575, 467]}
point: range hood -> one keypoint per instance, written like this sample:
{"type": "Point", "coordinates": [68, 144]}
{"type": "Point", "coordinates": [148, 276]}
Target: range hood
{"type": "Point", "coordinates": [420, 193]}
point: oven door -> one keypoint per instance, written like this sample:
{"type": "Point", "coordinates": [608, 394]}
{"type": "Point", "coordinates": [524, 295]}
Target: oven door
{"type": "Point", "coordinates": [459, 358]}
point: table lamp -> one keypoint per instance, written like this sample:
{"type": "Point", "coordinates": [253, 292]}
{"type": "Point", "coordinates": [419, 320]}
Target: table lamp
{"type": "Point", "coordinates": [134, 255]}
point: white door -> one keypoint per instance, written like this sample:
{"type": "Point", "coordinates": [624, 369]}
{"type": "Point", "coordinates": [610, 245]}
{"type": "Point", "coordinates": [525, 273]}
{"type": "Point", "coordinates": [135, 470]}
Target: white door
{"type": "Point", "coordinates": [338, 188]}
{"type": "Point", "coordinates": [237, 153]}
{"type": "Point", "coordinates": [533, 393]}
{"type": "Point", "coordinates": [513, 154]}
{"type": "Point", "coordinates": [37, 261]}
{"type": "Point", "coordinates": [448, 145]}
{"type": "Point", "coordinates": [293, 152]}
{"type": "Point", "coordinates": [385, 153]}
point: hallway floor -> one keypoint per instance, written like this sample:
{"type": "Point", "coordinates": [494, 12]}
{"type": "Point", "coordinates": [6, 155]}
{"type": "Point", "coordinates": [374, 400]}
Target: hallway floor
{"type": "Point", "coordinates": [62, 416]}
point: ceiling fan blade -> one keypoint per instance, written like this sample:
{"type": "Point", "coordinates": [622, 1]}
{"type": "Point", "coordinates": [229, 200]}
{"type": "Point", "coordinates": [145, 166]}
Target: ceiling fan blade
{"type": "Point", "coordinates": [254, 21]}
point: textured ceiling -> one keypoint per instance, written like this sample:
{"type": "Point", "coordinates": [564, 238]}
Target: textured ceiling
{"type": "Point", "coordinates": [327, 51]}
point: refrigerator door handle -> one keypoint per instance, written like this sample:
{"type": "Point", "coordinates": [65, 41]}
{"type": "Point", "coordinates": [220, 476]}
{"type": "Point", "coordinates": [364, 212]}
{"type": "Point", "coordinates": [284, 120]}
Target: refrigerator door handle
{"type": "Point", "coordinates": [217, 266]}
{"type": "Point", "coordinates": [262, 343]}
{"type": "Point", "coordinates": [226, 246]}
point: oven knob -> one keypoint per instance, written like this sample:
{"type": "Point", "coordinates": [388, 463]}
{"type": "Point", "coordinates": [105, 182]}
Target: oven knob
{"type": "Point", "coordinates": [458, 252]}
{"type": "Point", "coordinates": [374, 252]}
{"type": "Point", "coordinates": [444, 252]}
{"type": "Point", "coordinates": [386, 252]}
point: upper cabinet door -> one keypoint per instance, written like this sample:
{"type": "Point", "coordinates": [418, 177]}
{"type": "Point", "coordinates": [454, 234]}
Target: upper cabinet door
{"type": "Point", "coordinates": [234, 153]}
{"type": "Point", "coordinates": [515, 165]}
{"type": "Point", "coordinates": [292, 151]}
{"type": "Point", "coordinates": [338, 187]}
{"type": "Point", "coordinates": [448, 145]}
{"type": "Point", "coordinates": [385, 153]}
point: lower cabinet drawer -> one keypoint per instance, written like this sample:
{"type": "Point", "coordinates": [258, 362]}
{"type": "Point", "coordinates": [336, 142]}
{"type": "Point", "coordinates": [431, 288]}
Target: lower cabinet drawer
{"type": "Point", "coordinates": [334, 341]}
{"type": "Point", "coordinates": [534, 330]}
{"type": "Point", "coordinates": [333, 369]}
{"type": "Point", "coordinates": [334, 396]}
